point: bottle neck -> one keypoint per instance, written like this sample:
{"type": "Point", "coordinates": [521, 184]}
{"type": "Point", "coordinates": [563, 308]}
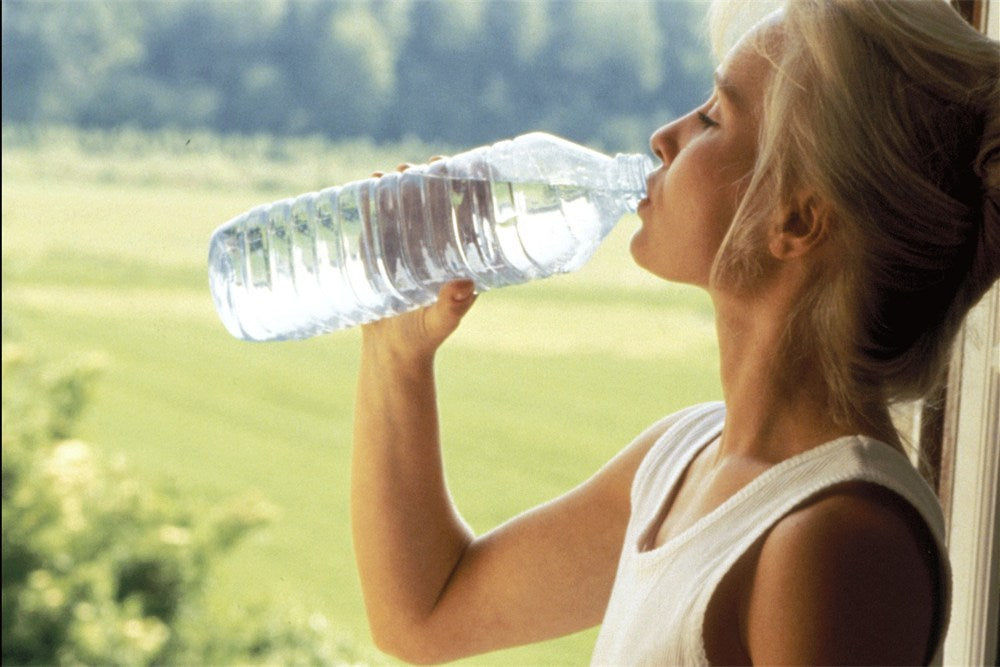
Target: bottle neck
{"type": "Point", "coordinates": [633, 169]}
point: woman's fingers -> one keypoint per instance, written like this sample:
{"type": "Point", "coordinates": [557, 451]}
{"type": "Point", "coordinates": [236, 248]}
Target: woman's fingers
{"type": "Point", "coordinates": [403, 166]}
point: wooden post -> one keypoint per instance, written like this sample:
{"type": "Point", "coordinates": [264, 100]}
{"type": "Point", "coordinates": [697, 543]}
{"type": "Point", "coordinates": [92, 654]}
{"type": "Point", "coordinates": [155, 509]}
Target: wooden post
{"type": "Point", "coordinates": [960, 436]}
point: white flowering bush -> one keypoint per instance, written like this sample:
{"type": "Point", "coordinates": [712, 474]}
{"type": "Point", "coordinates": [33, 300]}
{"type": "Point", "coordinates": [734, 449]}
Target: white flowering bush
{"type": "Point", "coordinates": [99, 568]}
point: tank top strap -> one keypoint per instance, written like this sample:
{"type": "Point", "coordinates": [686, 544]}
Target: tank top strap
{"type": "Point", "coordinates": [790, 483]}
{"type": "Point", "coordinates": [684, 434]}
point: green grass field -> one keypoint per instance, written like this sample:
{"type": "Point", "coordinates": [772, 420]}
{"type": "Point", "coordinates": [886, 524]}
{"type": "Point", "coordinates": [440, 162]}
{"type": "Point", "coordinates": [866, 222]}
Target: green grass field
{"type": "Point", "coordinates": [105, 252]}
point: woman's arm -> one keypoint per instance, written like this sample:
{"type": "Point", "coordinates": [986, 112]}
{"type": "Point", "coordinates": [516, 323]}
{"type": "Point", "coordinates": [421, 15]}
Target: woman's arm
{"type": "Point", "coordinates": [846, 579]}
{"type": "Point", "coordinates": [433, 591]}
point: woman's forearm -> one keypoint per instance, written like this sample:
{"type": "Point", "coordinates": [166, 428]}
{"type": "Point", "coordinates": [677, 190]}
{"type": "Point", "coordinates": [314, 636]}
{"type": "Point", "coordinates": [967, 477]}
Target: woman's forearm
{"type": "Point", "coordinates": [408, 537]}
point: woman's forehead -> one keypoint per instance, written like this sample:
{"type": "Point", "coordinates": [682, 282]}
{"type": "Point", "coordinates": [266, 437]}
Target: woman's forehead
{"type": "Point", "coordinates": [744, 75]}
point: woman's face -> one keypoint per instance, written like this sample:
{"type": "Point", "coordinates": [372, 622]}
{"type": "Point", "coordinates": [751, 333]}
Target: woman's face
{"type": "Point", "coordinates": [707, 159]}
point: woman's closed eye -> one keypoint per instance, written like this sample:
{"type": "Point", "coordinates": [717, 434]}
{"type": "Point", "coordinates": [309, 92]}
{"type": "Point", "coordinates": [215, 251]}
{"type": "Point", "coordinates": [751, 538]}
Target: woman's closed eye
{"type": "Point", "coordinates": [706, 120]}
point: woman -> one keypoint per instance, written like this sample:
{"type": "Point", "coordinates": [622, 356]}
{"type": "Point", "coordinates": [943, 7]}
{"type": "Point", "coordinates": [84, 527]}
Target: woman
{"type": "Point", "coordinates": [838, 198]}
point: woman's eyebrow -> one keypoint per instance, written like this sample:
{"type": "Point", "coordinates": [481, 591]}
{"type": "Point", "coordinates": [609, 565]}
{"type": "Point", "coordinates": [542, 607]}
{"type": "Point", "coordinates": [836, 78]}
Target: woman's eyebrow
{"type": "Point", "coordinates": [728, 90]}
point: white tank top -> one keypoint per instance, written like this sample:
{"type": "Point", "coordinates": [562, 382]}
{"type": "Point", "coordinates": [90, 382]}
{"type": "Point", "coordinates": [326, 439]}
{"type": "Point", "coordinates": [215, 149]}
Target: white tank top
{"type": "Point", "coordinates": [657, 608]}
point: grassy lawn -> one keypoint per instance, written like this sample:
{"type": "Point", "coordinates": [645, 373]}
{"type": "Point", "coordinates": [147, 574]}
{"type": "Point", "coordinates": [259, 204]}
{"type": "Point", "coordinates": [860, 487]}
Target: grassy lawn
{"type": "Point", "coordinates": [542, 384]}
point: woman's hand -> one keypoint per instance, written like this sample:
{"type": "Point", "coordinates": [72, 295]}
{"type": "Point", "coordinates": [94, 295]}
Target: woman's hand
{"type": "Point", "coordinates": [416, 335]}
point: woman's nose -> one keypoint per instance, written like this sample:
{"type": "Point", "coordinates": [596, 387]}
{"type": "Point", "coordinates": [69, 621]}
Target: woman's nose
{"type": "Point", "coordinates": [663, 143]}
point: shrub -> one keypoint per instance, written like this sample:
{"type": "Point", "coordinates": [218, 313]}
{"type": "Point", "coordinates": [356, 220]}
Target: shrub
{"type": "Point", "coordinates": [100, 568]}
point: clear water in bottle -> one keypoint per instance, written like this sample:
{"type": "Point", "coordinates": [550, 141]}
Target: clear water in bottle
{"type": "Point", "coordinates": [369, 249]}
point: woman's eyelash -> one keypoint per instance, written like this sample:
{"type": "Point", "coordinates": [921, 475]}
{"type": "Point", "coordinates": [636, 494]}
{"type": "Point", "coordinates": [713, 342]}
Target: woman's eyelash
{"type": "Point", "coordinates": [705, 120]}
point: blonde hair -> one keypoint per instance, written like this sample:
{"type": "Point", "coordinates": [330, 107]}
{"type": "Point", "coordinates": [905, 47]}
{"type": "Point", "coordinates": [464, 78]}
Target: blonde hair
{"type": "Point", "coordinates": [886, 110]}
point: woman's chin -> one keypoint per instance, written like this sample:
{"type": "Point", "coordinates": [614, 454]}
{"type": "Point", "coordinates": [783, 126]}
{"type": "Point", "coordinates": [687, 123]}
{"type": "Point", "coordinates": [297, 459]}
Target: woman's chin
{"type": "Point", "coordinates": [636, 245]}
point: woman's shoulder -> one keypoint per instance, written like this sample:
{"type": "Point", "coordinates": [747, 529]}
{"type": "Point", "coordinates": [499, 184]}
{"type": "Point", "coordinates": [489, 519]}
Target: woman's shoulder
{"type": "Point", "coordinates": [849, 576]}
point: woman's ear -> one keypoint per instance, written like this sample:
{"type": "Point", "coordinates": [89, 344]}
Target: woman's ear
{"type": "Point", "coordinates": [802, 227]}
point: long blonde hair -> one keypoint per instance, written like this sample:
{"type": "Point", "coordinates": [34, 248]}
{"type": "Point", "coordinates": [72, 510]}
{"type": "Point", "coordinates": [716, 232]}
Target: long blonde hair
{"type": "Point", "coordinates": [889, 111]}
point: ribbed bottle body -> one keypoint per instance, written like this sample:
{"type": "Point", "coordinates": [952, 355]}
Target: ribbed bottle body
{"type": "Point", "coordinates": [369, 249]}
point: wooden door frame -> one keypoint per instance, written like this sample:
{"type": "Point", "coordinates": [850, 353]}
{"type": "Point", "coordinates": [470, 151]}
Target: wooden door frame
{"type": "Point", "coordinates": [959, 436]}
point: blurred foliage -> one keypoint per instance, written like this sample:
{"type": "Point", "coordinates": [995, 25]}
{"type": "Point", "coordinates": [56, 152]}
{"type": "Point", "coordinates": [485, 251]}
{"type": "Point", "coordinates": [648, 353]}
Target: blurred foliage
{"type": "Point", "coordinates": [454, 71]}
{"type": "Point", "coordinates": [198, 159]}
{"type": "Point", "coordinates": [100, 568]}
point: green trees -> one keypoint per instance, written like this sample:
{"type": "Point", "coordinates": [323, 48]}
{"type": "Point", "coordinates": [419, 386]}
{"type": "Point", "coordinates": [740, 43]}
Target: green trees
{"type": "Point", "coordinates": [99, 568]}
{"type": "Point", "coordinates": [452, 71]}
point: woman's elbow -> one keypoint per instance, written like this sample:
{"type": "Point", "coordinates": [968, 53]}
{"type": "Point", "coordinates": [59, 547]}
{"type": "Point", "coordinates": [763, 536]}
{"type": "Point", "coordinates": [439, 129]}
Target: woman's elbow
{"type": "Point", "coordinates": [410, 643]}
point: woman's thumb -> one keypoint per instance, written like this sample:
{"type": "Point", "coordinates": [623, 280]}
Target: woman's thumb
{"type": "Point", "coordinates": [454, 301]}
{"type": "Point", "coordinates": [459, 294]}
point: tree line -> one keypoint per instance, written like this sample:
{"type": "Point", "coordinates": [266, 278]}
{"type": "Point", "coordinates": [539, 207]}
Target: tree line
{"type": "Point", "coordinates": [455, 71]}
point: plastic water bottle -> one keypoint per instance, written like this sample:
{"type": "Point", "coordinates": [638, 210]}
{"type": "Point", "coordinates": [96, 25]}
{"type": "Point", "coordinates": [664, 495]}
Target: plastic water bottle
{"type": "Point", "coordinates": [521, 209]}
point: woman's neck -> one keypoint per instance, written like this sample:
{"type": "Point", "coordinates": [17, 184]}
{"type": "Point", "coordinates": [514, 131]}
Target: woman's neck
{"type": "Point", "coordinates": [777, 404]}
